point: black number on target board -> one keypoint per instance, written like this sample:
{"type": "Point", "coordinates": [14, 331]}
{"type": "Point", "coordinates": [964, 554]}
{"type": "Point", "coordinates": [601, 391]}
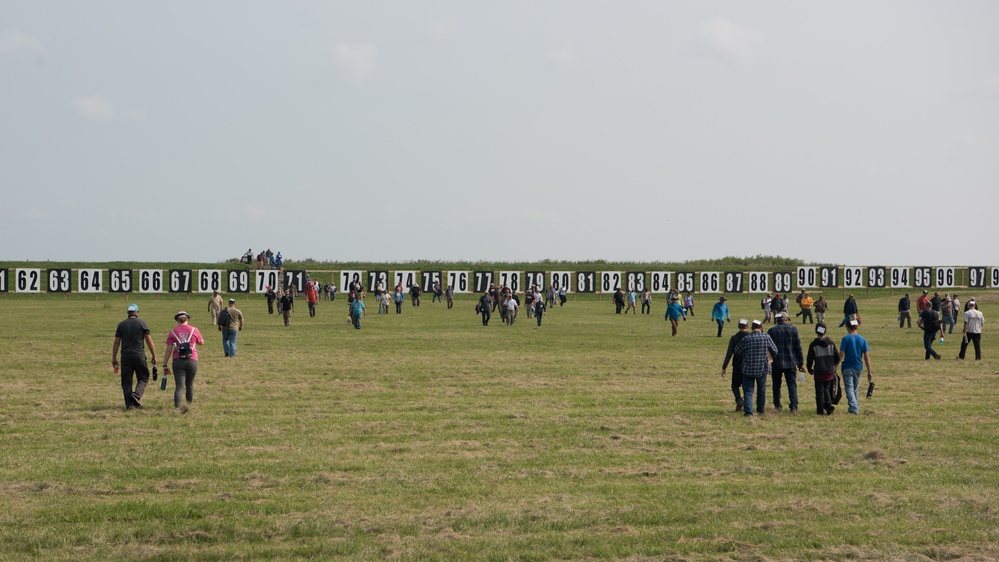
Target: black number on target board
{"type": "Point", "coordinates": [180, 280]}
{"type": "Point", "coordinates": [59, 280]}
{"type": "Point", "coordinates": [806, 277]}
{"type": "Point", "coordinates": [376, 277]}
{"type": "Point", "coordinates": [88, 281]}
{"type": "Point", "coordinates": [635, 281]}
{"type": "Point", "coordinates": [239, 280]}
{"type": "Point", "coordinates": [427, 279]}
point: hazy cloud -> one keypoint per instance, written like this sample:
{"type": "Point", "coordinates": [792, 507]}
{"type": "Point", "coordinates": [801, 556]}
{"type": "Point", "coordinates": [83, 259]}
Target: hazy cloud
{"type": "Point", "coordinates": [33, 213]}
{"type": "Point", "coordinates": [727, 41]}
{"type": "Point", "coordinates": [356, 59]}
{"type": "Point", "coordinates": [19, 45]}
{"type": "Point", "coordinates": [563, 56]}
{"type": "Point", "coordinates": [98, 108]}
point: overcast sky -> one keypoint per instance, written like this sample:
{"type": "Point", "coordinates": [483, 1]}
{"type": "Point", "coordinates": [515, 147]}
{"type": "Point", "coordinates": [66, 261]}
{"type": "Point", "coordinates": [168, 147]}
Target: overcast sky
{"type": "Point", "coordinates": [858, 133]}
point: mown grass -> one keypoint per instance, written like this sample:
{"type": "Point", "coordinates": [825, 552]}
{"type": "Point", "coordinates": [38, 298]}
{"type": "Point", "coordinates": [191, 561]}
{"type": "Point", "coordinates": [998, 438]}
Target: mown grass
{"type": "Point", "coordinates": [428, 436]}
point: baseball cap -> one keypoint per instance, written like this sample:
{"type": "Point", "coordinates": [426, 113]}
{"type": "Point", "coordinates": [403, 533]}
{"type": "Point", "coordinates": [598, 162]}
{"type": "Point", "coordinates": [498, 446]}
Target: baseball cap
{"type": "Point", "coordinates": [757, 323]}
{"type": "Point", "coordinates": [743, 322]}
{"type": "Point", "coordinates": [854, 323]}
{"type": "Point", "coordinates": [132, 308]}
{"type": "Point", "coordinates": [232, 300]}
{"type": "Point", "coordinates": [181, 313]}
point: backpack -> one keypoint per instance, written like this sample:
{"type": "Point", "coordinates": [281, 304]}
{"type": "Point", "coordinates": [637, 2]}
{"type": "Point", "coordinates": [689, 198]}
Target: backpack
{"type": "Point", "coordinates": [184, 348]}
{"type": "Point", "coordinates": [932, 325]}
{"type": "Point", "coordinates": [224, 319]}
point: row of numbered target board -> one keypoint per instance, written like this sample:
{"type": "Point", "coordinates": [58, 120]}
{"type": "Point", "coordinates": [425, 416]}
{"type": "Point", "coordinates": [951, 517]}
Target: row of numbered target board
{"type": "Point", "coordinates": [64, 280]}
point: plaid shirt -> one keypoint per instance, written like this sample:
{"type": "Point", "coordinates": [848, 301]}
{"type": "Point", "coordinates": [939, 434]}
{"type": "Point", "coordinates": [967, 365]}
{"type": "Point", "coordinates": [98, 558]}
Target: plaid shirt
{"type": "Point", "coordinates": [785, 337]}
{"type": "Point", "coordinates": [753, 349]}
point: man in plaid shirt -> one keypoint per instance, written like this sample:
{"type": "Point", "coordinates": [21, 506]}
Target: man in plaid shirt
{"type": "Point", "coordinates": [757, 350]}
{"type": "Point", "coordinates": [789, 360]}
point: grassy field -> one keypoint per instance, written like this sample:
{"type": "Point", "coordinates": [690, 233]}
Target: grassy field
{"type": "Point", "coordinates": [428, 436]}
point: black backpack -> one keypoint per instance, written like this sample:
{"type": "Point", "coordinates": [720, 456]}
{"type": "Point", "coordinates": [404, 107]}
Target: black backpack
{"type": "Point", "coordinates": [184, 348]}
{"type": "Point", "coordinates": [224, 318]}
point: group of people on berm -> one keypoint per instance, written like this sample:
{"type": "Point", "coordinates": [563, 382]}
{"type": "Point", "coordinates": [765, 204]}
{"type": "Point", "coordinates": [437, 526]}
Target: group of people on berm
{"type": "Point", "coordinates": [752, 353]}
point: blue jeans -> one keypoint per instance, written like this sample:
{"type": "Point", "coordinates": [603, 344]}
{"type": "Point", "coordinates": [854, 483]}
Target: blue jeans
{"type": "Point", "coordinates": [790, 377]}
{"type": "Point", "coordinates": [229, 336]}
{"type": "Point", "coordinates": [851, 382]}
{"type": "Point", "coordinates": [948, 320]}
{"type": "Point", "coordinates": [747, 391]}
{"type": "Point", "coordinates": [355, 319]}
{"type": "Point", "coordinates": [721, 324]}
{"type": "Point", "coordinates": [928, 338]}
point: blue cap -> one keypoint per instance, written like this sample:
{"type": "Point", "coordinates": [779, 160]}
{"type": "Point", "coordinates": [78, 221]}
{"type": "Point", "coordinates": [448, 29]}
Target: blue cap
{"type": "Point", "coordinates": [132, 308]}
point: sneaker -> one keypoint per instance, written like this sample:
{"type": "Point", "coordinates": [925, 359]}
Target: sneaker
{"type": "Point", "coordinates": [830, 410]}
{"type": "Point", "coordinates": [739, 404]}
{"type": "Point", "coordinates": [779, 409]}
{"type": "Point", "coordinates": [937, 356]}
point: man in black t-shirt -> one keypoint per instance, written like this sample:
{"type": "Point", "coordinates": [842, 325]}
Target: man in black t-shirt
{"type": "Point", "coordinates": [130, 336]}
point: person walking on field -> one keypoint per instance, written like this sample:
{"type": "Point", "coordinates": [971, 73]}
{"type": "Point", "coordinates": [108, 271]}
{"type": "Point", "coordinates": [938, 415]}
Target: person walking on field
{"type": "Point", "coordinates": [398, 297]}
{"type": "Point", "coordinates": [850, 311]}
{"type": "Point", "coordinates": [286, 304]}
{"type": "Point", "coordinates": [512, 307]}
{"type": "Point", "coordinates": [182, 346]}
{"type": "Point", "coordinates": [930, 323]}
{"type": "Point", "coordinates": [618, 301]}
{"type": "Point", "coordinates": [904, 311]}
{"type": "Point", "coordinates": [449, 297]}
{"type": "Point", "coordinates": [130, 336]}
{"type": "Point", "coordinates": [646, 301]}
{"type": "Point", "coordinates": [673, 313]}
{"type": "Point", "coordinates": [485, 307]}
{"type": "Point", "coordinates": [821, 306]}
{"type": "Point", "coordinates": [757, 351]}
{"type": "Point", "coordinates": [973, 323]}
{"type": "Point", "coordinates": [311, 297]}
{"type": "Point", "coordinates": [356, 312]}
{"type": "Point", "coordinates": [733, 342]}
{"type": "Point", "coordinates": [948, 313]}
{"type": "Point", "coordinates": [383, 303]}
{"type": "Point", "coordinates": [215, 306]}
{"type": "Point", "coordinates": [539, 309]}
{"type": "Point", "coordinates": [823, 357]}
{"type": "Point", "coordinates": [230, 323]}
{"type": "Point", "coordinates": [632, 299]}
{"type": "Point", "coordinates": [853, 355]}
{"type": "Point", "coordinates": [688, 304]}
{"type": "Point", "coordinates": [719, 313]}
{"type": "Point", "coordinates": [789, 360]}
{"type": "Point", "coordinates": [805, 301]}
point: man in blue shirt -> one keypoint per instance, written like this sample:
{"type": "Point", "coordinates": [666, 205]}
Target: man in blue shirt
{"type": "Point", "coordinates": [674, 312]}
{"type": "Point", "coordinates": [789, 360]}
{"type": "Point", "coordinates": [356, 311]}
{"type": "Point", "coordinates": [719, 313]}
{"type": "Point", "coordinates": [756, 350]}
{"type": "Point", "coordinates": [853, 353]}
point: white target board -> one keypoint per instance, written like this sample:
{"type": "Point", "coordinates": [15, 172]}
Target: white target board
{"type": "Point", "coordinates": [853, 277]}
{"type": "Point", "coordinates": [150, 280]}
{"type": "Point", "coordinates": [89, 281]}
{"type": "Point", "coordinates": [899, 278]}
{"type": "Point", "coordinates": [458, 281]}
{"type": "Point", "coordinates": [511, 279]}
{"type": "Point", "coordinates": [710, 282]}
{"type": "Point", "coordinates": [659, 281]}
{"type": "Point", "coordinates": [759, 281]}
{"type": "Point", "coordinates": [945, 277]}
{"type": "Point", "coordinates": [559, 280]}
{"type": "Point", "coordinates": [610, 281]}
{"type": "Point", "coordinates": [405, 278]}
{"type": "Point", "coordinates": [349, 276]}
{"type": "Point", "coordinates": [210, 280]}
{"type": "Point", "coordinates": [807, 277]}
{"type": "Point", "coordinates": [27, 280]}
{"type": "Point", "coordinates": [267, 278]}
